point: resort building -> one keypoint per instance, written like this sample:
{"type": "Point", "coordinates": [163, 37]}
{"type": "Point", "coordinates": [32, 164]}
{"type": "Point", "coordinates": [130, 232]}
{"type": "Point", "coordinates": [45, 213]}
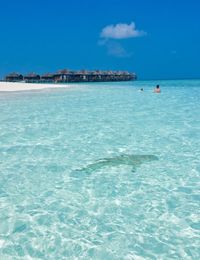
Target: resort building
{"type": "Point", "coordinates": [48, 77]}
{"type": "Point", "coordinates": [32, 77]}
{"type": "Point", "coordinates": [14, 77]}
{"type": "Point", "coordinates": [68, 76]}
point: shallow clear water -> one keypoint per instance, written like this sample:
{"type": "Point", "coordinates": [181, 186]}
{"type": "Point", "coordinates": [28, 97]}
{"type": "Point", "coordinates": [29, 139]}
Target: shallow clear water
{"type": "Point", "coordinates": [52, 207]}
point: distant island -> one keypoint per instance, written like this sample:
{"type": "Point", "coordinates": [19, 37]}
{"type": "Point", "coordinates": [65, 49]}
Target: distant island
{"type": "Point", "coordinates": [68, 76]}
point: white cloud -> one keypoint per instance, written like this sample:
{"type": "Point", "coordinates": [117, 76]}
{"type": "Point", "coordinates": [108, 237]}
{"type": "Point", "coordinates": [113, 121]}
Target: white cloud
{"type": "Point", "coordinates": [121, 31]}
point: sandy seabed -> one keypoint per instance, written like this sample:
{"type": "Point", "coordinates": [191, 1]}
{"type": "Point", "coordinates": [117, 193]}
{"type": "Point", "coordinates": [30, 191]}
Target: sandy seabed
{"type": "Point", "coordinates": [21, 86]}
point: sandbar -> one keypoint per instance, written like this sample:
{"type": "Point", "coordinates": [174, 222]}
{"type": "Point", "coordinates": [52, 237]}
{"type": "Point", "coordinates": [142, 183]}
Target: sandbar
{"type": "Point", "coordinates": [21, 86]}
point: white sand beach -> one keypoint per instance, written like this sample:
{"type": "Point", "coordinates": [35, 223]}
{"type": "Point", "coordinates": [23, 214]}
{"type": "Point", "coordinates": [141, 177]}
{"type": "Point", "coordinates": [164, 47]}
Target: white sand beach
{"type": "Point", "coordinates": [21, 86]}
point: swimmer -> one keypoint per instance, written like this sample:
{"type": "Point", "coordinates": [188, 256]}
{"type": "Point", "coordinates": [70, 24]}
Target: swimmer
{"type": "Point", "coordinates": [157, 89]}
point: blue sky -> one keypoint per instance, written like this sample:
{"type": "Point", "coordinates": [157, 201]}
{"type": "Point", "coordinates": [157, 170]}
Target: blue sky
{"type": "Point", "coordinates": [155, 39]}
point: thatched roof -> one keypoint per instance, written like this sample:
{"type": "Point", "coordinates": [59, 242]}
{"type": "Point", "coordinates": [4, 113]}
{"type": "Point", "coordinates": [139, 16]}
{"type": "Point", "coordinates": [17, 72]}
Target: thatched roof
{"type": "Point", "coordinates": [32, 75]}
{"type": "Point", "coordinates": [82, 72]}
{"type": "Point", "coordinates": [14, 75]}
{"type": "Point", "coordinates": [63, 71]}
{"type": "Point", "coordinates": [47, 75]}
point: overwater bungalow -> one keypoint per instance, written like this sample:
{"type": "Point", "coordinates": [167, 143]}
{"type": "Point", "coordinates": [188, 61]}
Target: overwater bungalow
{"type": "Point", "coordinates": [82, 76]}
{"type": "Point", "coordinates": [14, 77]}
{"type": "Point", "coordinates": [62, 75]}
{"type": "Point", "coordinates": [94, 76]}
{"type": "Point", "coordinates": [67, 76]}
{"type": "Point", "coordinates": [48, 77]}
{"type": "Point", "coordinates": [32, 77]}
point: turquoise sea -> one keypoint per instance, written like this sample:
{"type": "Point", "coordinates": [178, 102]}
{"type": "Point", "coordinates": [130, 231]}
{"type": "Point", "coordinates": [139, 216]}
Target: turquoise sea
{"type": "Point", "coordinates": [101, 171]}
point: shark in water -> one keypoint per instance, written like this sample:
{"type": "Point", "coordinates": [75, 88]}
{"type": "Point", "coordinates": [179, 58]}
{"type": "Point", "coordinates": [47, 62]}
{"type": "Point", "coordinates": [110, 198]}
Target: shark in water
{"type": "Point", "coordinates": [131, 160]}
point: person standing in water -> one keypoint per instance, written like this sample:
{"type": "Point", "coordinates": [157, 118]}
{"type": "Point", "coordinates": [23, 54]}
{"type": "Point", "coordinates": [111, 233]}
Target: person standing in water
{"type": "Point", "coordinates": [157, 89]}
